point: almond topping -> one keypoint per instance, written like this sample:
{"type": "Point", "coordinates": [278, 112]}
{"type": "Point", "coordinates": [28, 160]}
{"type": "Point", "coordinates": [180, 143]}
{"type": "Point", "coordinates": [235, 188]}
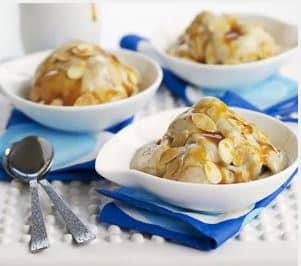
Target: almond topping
{"type": "Point", "coordinates": [212, 172]}
{"type": "Point", "coordinates": [172, 167]}
{"type": "Point", "coordinates": [64, 57]}
{"type": "Point", "coordinates": [57, 102]}
{"type": "Point", "coordinates": [225, 149]}
{"type": "Point", "coordinates": [169, 155]}
{"type": "Point", "coordinates": [83, 49]}
{"type": "Point", "coordinates": [76, 71]}
{"type": "Point", "coordinates": [203, 122]}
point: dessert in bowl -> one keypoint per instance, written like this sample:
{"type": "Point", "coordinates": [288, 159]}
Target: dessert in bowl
{"type": "Point", "coordinates": [210, 144]}
{"type": "Point", "coordinates": [79, 89]}
{"type": "Point", "coordinates": [240, 49]}
{"type": "Point", "coordinates": [197, 173]}
{"type": "Point", "coordinates": [80, 73]}
{"type": "Point", "coordinates": [223, 39]}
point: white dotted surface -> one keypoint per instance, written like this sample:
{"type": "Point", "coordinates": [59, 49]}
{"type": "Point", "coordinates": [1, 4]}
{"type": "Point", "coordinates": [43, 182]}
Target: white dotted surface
{"type": "Point", "coordinates": [278, 222]}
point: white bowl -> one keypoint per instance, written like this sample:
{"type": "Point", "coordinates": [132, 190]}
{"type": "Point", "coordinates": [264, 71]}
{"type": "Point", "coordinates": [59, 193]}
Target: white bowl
{"type": "Point", "coordinates": [15, 81]}
{"type": "Point", "coordinates": [114, 159]}
{"type": "Point", "coordinates": [224, 76]}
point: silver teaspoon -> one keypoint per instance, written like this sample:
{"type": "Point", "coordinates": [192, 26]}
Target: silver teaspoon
{"type": "Point", "coordinates": [26, 162]}
{"type": "Point", "coordinates": [75, 226]}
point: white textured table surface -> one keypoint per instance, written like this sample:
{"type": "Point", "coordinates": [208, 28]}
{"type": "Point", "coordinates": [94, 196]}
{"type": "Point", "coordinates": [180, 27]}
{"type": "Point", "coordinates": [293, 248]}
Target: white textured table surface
{"type": "Point", "coordinates": [270, 239]}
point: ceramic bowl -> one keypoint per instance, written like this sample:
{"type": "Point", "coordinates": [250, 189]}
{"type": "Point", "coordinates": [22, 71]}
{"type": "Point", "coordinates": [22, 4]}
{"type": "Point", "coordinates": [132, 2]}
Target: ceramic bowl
{"type": "Point", "coordinates": [224, 76]}
{"type": "Point", "coordinates": [15, 80]}
{"type": "Point", "coordinates": [114, 159]}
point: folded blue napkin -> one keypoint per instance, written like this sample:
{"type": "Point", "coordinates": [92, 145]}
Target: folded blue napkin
{"type": "Point", "coordinates": [139, 210]}
{"type": "Point", "coordinates": [277, 89]}
{"type": "Point", "coordinates": [74, 152]}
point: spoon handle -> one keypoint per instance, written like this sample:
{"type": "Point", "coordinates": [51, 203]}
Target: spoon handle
{"type": "Point", "coordinates": [76, 227]}
{"type": "Point", "coordinates": [38, 232]}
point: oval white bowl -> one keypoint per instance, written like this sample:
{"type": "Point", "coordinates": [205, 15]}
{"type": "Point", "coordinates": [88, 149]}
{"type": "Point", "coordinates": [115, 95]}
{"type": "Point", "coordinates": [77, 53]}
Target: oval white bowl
{"type": "Point", "coordinates": [224, 76]}
{"type": "Point", "coordinates": [15, 81]}
{"type": "Point", "coordinates": [114, 159]}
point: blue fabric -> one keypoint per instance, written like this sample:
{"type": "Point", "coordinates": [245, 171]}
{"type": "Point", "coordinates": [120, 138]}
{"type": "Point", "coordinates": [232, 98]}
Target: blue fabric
{"type": "Point", "coordinates": [131, 41]}
{"type": "Point", "coordinates": [174, 223]}
{"type": "Point", "coordinates": [68, 147]}
{"type": "Point", "coordinates": [264, 95]}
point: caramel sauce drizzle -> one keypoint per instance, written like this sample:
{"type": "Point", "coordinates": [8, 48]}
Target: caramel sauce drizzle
{"type": "Point", "coordinates": [93, 12]}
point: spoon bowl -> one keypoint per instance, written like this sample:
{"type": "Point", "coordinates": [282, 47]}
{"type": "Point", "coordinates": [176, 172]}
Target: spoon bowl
{"type": "Point", "coordinates": [28, 159]}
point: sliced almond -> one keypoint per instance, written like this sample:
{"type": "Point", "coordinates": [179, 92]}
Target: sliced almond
{"type": "Point", "coordinates": [194, 174]}
{"type": "Point", "coordinates": [76, 71]}
{"type": "Point", "coordinates": [110, 95]}
{"type": "Point", "coordinates": [243, 175]}
{"type": "Point", "coordinates": [251, 139]}
{"type": "Point", "coordinates": [212, 172]}
{"type": "Point", "coordinates": [203, 122]}
{"type": "Point", "coordinates": [217, 111]}
{"type": "Point", "coordinates": [195, 138]}
{"type": "Point", "coordinates": [212, 153]}
{"type": "Point", "coordinates": [240, 154]}
{"type": "Point", "coordinates": [229, 129]}
{"type": "Point", "coordinates": [205, 103]}
{"type": "Point", "coordinates": [228, 176]}
{"type": "Point", "coordinates": [62, 56]}
{"type": "Point", "coordinates": [170, 154]}
{"type": "Point", "coordinates": [180, 138]}
{"type": "Point", "coordinates": [259, 136]}
{"type": "Point", "coordinates": [225, 149]}
{"type": "Point", "coordinates": [83, 49]}
{"type": "Point", "coordinates": [57, 102]}
{"type": "Point", "coordinates": [254, 167]}
{"type": "Point", "coordinates": [172, 167]}
{"type": "Point", "coordinates": [143, 156]}
{"type": "Point", "coordinates": [133, 76]}
{"type": "Point", "coordinates": [196, 154]}
{"type": "Point", "coordinates": [276, 161]}
{"type": "Point", "coordinates": [86, 99]}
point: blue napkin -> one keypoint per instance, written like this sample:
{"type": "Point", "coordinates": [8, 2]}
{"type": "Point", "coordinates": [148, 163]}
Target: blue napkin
{"type": "Point", "coordinates": [277, 89]}
{"type": "Point", "coordinates": [138, 210]}
{"type": "Point", "coordinates": [74, 152]}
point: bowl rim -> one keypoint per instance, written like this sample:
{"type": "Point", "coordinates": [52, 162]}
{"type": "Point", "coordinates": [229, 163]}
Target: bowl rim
{"type": "Point", "coordinates": [225, 67]}
{"type": "Point", "coordinates": [156, 83]}
{"type": "Point", "coordinates": [290, 168]}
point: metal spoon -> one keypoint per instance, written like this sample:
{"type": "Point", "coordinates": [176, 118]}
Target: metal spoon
{"type": "Point", "coordinates": [75, 226]}
{"type": "Point", "coordinates": [26, 162]}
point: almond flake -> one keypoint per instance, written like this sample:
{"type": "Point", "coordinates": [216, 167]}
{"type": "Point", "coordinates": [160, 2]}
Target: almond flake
{"type": "Point", "coordinates": [203, 122]}
{"type": "Point", "coordinates": [76, 71]}
{"type": "Point", "coordinates": [212, 172]}
{"type": "Point", "coordinates": [225, 149]}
